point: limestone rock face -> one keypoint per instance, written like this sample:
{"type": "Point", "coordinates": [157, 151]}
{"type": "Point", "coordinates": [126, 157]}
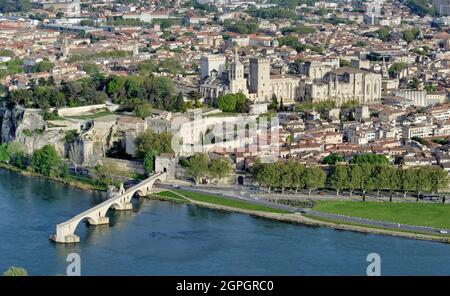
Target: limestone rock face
{"type": "Point", "coordinates": [29, 128]}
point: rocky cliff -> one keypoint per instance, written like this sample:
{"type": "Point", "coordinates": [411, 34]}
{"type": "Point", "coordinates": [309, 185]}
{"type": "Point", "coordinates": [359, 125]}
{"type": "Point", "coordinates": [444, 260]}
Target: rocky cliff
{"type": "Point", "coordinates": [29, 128]}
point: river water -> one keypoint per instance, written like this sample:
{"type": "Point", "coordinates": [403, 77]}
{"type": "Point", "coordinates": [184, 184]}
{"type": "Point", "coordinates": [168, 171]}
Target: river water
{"type": "Point", "coordinates": [163, 238]}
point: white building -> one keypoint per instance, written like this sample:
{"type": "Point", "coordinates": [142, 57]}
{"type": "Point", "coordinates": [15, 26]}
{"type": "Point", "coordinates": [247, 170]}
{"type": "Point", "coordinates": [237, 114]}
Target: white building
{"type": "Point", "coordinates": [210, 63]}
{"type": "Point", "coordinates": [441, 7]}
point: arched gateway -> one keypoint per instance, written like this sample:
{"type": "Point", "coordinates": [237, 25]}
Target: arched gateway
{"type": "Point", "coordinates": [65, 232]}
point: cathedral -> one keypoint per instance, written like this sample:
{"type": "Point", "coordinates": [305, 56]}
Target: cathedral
{"type": "Point", "coordinates": [319, 80]}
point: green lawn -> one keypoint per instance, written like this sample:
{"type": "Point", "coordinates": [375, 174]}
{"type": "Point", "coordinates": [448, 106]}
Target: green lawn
{"type": "Point", "coordinates": [423, 214]}
{"type": "Point", "coordinates": [92, 116]}
{"type": "Point", "coordinates": [215, 199]}
{"type": "Point", "coordinates": [172, 196]}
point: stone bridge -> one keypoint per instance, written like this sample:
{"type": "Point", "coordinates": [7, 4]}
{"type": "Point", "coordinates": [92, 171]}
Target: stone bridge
{"type": "Point", "coordinates": [65, 232]}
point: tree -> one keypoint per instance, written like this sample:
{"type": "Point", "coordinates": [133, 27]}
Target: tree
{"type": "Point", "coordinates": [298, 176]}
{"type": "Point", "coordinates": [179, 103]}
{"type": "Point", "coordinates": [146, 67]}
{"type": "Point", "coordinates": [46, 161]}
{"type": "Point", "coordinates": [241, 26]}
{"type": "Point", "coordinates": [408, 36]}
{"type": "Point", "coordinates": [315, 178]}
{"type": "Point", "coordinates": [383, 33]}
{"type": "Point", "coordinates": [332, 159]}
{"type": "Point", "coordinates": [338, 178]}
{"type": "Point", "coordinates": [4, 155]}
{"type": "Point", "coordinates": [143, 110]}
{"type": "Point", "coordinates": [242, 103]}
{"type": "Point", "coordinates": [422, 180]}
{"type": "Point", "coordinates": [90, 68]}
{"type": "Point", "coordinates": [344, 63]}
{"type": "Point", "coordinates": [14, 5]}
{"type": "Point", "coordinates": [220, 168]}
{"type": "Point", "coordinates": [15, 271]}
{"type": "Point", "coordinates": [407, 180]}
{"type": "Point", "coordinates": [149, 162]}
{"type": "Point", "coordinates": [20, 97]}
{"type": "Point", "coordinates": [151, 141]}
{"type": "Point", "coordinates": [43, 66]}
{"type": "Point", "coordinates": [197, 166]}
{"type": "Point", "coordinates": [369, 158]}
{"type": "Point", "coordinates": [396, 68]}
{"type": "Point", "coordinates": [354, 177]}
{"type": "Point", "coordinates": [394, 180]}
{"type": "Point", "coordinates": [115, 85]}
{"type": "Point", "coordinates": [16, 154]}
{"type": "Point", "coordinates": [367, 181]}
{"type": "Point", "coordinates": [285, 175]}
{"type": "Point", "coordinates": [87, 23]}
{"type": "Point", "coordinates": [163, 91]}
{"type": "Point", "coordinates": [438, 179]}
{"type": "Point", "coordinates": [381, 178]}
{"type": "Point", "coordinates": [274, 103]}
{"type": "Point", "coordinates": [266, 174]}
{"type": "Point", "coordinates": [227, 103]}
{"type": "Point", "coordinates": [70, 136]}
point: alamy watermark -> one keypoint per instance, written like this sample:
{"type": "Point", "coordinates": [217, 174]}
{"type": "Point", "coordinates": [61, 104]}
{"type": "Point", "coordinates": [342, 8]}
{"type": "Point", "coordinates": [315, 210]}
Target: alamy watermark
{"type": "Point", "coordinates": [74, 267]}
{"type": "Point", "coordinates": [374, 268]}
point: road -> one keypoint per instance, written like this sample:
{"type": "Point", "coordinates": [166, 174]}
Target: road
{"type": "Point", "coordinates": [244, 193]}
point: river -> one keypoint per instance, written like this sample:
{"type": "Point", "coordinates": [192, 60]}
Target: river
{"type": "Point", "coordinates": [163, 238]}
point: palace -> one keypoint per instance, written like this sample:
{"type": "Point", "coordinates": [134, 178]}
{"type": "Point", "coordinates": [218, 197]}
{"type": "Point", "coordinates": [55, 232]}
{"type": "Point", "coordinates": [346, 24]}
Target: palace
{"type": "Point", "coordinates": [319, 80]}
{"type": "Point", "coordinates": [343, 85]}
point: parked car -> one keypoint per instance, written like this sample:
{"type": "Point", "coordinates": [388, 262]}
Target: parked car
{"type": "Point", "coordinates": [443, 231]}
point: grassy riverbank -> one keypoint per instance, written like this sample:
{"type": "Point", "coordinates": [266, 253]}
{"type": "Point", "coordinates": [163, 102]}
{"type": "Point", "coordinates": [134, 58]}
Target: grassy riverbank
{"type": "Point", "coordinates": [221, 203]}
{"type": "Point", "coordinates": [218, 200]}
{"type": "Point", "coordinates": [76, 181]}
{"type": "Point", "coordinates": [170, 196]}
{"type": "Point", "coordinates": [423, 214]}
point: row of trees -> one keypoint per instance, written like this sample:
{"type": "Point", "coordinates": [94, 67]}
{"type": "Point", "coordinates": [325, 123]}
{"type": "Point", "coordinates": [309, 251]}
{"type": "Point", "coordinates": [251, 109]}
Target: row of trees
{"type": "Point", "coordinates": [289, 175]}
{"type": "Point", "coordinates": [132, 92]}
{"type": "Point", "coordinates": [136, 89]}
{"type": "Point", "coordinates": [272, 13]}
{"type": "Point", "coordinates": [364, 177]}
{"type": "Point", "coordinates": [46, 93]}
{"type": "Point", "coordinates": [241, 26]}
{"type": "Point", "coordinates": [45, 161]}
{"type": "Point", "coordinates": [15, 5]}
{"type": "Point", "coordinates": [200, 166]}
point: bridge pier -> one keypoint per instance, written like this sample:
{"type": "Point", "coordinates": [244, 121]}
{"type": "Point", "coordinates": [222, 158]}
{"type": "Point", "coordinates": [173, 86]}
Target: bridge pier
{"type": "Point", "coordinates": [99, 221]}
{"type": "Point", "coordinates": [125, 206]}
{"type": "Point", "coordinates": [68, 239]}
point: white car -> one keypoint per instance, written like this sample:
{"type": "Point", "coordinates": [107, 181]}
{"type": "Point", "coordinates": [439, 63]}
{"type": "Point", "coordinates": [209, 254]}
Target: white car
{"type": "Point", "coordinates": [443, 231]}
